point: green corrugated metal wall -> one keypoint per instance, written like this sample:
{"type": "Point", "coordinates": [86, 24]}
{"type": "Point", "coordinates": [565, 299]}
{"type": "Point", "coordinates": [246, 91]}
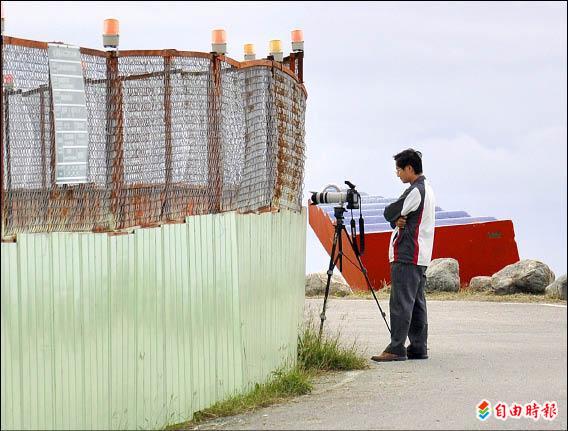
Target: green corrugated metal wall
{"type": "Point", "coordinates": [141, 330]}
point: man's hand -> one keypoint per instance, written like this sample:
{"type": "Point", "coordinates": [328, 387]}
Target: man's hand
{"type": "Point", "coordinates": [401, 222]}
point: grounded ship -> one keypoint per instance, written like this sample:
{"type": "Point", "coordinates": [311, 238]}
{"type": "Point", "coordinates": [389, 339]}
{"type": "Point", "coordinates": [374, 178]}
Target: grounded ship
{"type": "Point", "coordinates": [481, 245]}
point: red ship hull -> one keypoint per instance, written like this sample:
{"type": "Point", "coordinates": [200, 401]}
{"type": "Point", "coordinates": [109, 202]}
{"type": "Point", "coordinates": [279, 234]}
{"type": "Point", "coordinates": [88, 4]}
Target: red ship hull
{"type": "Point", "coordinates": [480, 249]}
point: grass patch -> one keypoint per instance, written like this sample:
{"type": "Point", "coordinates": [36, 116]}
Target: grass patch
{"type": "Point", "coordinates": [314, 357]}
{"type": "Point", "coordinates": [468, 295]}
{"type": "Point", "coordinates": [463, 295]}
{"type": "Point", "coordinates": [327, 354]}
{"type": "Point", "coordinates": [282, 385]}
{"type": "Point", "coordinates": [382, 294]}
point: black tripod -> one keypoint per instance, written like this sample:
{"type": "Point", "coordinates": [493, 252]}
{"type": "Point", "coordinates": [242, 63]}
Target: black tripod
{"type": "Point", "coordinates": [338, 245]}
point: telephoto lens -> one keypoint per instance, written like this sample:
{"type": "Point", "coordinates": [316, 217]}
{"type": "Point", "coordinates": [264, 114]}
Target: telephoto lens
{"type": "Point", "coordinates": [319, 198]}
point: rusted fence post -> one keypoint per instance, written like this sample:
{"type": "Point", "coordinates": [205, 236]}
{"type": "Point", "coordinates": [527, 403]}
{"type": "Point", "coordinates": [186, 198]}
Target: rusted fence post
{"type": "Point", "coordinates": [42, 138]}
{"type": "Point", "coordinates": [114, 148]}
{"type": "Point", "coordinates": [6, 148]}
{"type": "Point", "coordinates": [293, 62]}
{"type": "Point", "coordinates": [167, 196]}
{"type": "Point", "coordinates": [2, 148]}
{"type": "Point", "coordinates": [300, 56]}
{"type": "Point", "coordinates": [214, 162]}
{"type": "Point", "coordinates": [52, 138]}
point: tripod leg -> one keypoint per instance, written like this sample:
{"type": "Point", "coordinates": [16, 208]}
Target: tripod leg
{"type": "Point", "coordinates": [332, 261]}
{"type": "Point", "coordinates": [340, 255]}
{"type": "Point", "coordinates": [364, 271]}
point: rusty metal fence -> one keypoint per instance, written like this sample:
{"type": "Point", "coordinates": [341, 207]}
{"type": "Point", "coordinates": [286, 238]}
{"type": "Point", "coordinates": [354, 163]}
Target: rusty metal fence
{"type": "Point", "coordinates": [171, 134]}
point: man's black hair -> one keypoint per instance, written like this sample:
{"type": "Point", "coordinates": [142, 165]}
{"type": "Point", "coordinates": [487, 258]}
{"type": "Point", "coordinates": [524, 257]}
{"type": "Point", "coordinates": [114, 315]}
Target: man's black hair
{"type": "Point", "coordinates": [409, 157]}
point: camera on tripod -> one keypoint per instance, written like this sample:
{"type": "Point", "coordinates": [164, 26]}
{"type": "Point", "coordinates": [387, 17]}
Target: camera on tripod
{"type": "Point", "coordinates": [353, 199]}
{"type": "Point", "coordinates": [351, 196]}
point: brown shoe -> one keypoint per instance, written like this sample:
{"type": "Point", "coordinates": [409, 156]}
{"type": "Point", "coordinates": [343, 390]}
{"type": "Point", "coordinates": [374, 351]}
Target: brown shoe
{"type": "Point", "coordinates": [388, 357]}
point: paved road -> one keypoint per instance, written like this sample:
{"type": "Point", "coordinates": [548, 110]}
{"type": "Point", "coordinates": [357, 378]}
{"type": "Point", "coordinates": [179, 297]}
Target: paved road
{"type": "Point", "coordinates": [478, 350]}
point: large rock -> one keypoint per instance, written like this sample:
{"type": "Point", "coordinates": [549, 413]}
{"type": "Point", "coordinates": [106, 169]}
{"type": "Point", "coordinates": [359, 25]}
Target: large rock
{"type": "Point", "coordinates": [315, 285]}
{"type": "Point", "coordinates": [481, 283]}
{"type": "Point", "coordinates": [525, 276]}
{"type": "Point", "coordinates": [443, 275]}
{"type": "Point", "coordinates": [557, 289]}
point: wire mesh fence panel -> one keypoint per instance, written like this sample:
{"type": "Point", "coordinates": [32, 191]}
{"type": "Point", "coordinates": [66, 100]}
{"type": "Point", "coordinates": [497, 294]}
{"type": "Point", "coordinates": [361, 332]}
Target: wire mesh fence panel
{"type": "Point", "coordinates": [289, 126]}
{"type": "Point", "coordinates": [170, 134]}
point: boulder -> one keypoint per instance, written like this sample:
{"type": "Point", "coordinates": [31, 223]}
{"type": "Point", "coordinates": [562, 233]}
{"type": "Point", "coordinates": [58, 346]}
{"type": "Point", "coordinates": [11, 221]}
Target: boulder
{"type": "Point", "coordinates": [443, 275]}
{"type": "Point", "coordinates": [557, 289]}
{"type": "Point", "coordinates": [525, 276]}
{"type": "Point", "coordinates": [481, 283]}
{"type": "Point", "coordinates": [315, 285]}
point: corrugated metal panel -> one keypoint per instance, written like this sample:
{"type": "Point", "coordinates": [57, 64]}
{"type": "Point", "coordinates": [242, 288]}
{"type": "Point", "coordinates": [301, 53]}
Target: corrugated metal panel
{"type": "Point", "coordinates": [141, 330]}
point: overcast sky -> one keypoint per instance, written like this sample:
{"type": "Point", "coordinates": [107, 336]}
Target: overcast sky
{"type": "Point", "coordinates": [479, 88]}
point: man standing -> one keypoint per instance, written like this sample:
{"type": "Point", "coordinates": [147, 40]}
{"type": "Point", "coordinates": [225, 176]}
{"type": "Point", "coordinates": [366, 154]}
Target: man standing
{"type": "Point", "coordinates": [410, 251]}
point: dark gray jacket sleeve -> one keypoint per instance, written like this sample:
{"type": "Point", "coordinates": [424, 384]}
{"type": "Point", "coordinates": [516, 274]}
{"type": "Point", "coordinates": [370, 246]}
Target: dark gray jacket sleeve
{"type": "Point", "coordinates": [392, 212]}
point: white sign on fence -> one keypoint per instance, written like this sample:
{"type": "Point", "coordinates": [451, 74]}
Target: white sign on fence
{"type": "Point", "coordinates": [70, 114]}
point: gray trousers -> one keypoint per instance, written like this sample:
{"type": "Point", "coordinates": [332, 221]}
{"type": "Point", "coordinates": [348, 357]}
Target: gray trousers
{"type": "Point", "coordinates": [408, 315]}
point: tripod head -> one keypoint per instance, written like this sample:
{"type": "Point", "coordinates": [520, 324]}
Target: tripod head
{"type": "Point", "coordinates": [338, 213]}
